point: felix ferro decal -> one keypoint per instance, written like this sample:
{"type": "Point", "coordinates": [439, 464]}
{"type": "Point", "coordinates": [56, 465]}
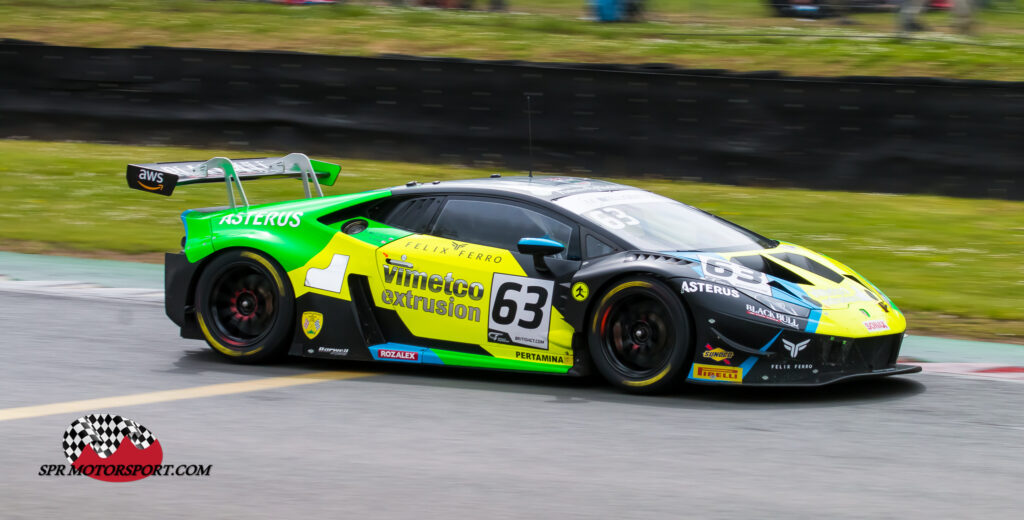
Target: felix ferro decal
{"type": "Point", "coordinates": [449, 285]}
{"type": "Point", "coordinates": [270, 218]}
{"type": "Point", "coordinates": [456, 249]}
{"type": "Point", "coordinates": [113, 448]}
{"type": "Point", "coordinates": [795, 348]}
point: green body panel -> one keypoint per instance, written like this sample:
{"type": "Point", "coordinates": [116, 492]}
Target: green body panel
{"type": "Point", "coordinates": [332, 171]}
{"type": "Point", "coordinates": [377, 234]}
{"type": "Point", "coordinates": [478, 361]}
{"type": "Point", "coordinates": [292, 234]}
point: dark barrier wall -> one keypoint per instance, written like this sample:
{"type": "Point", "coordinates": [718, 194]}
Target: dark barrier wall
{"type": "Point", "coordinates": [961, 138]}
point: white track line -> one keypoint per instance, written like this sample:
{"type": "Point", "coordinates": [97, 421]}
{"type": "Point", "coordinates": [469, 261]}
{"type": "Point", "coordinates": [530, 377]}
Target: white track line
{"type": "Point", "coordinates": [80, 290]}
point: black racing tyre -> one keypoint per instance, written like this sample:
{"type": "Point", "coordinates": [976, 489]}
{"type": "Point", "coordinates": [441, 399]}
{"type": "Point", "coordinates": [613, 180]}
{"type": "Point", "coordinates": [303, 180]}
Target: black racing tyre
{"type": "Point", "coordinates": [245, 306]}
{"type": "Point", "coordinates": [640, 336]}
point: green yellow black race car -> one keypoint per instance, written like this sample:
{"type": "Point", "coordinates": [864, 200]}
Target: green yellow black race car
{"type": "Point", "coordinates": [540, 274]}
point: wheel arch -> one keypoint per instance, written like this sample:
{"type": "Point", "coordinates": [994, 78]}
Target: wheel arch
{"type": "Point", "coordinates": [190, 325]}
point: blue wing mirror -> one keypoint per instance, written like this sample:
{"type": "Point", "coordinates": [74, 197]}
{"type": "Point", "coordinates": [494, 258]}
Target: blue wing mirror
{"type": "Point", "coordinates": [539, 248]}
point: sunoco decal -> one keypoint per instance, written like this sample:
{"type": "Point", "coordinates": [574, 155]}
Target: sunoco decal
{"type": "Point", "coordinates": [717, 354]}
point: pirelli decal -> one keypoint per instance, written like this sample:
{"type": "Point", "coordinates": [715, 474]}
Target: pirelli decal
{"type": "Point", "coordinates": [717, 373]}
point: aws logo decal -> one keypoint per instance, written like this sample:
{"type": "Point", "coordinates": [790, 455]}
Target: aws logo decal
{"type": "Point", "coordinates": [152, 177]}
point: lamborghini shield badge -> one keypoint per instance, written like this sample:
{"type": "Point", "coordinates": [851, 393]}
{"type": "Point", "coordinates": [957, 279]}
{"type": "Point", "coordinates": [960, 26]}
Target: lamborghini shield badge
{"type": "Point", "coordinates": [312, 322]}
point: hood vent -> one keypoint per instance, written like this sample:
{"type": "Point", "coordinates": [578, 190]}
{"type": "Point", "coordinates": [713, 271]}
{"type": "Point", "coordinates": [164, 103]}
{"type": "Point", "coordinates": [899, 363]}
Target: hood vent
{"type": "Point", "coordinates": [866, 288]}
{"type": "Point", "coordinates": [762, 264]}
{"type": "Point", "coordinates": [641, 257]}
{"type": "Point", "coordinates": [809, 265]}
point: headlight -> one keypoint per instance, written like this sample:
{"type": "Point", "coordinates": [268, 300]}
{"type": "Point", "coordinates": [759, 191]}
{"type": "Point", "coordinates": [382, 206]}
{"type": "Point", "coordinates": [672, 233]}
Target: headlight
{"type": "Point", "coordinates": [778, 305]}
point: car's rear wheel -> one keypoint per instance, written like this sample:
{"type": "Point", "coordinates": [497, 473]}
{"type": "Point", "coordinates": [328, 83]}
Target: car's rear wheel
{"type": "Point", "coordinates": [640, 336]}
{"type": "Point", "coordinates": [245, 306]}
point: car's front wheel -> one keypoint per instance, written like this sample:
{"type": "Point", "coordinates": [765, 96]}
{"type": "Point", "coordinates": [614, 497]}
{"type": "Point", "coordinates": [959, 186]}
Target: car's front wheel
{"type": "Point", "coordinates": [640, 336]}
{"type": "Point", "coordinates": [245, 306]}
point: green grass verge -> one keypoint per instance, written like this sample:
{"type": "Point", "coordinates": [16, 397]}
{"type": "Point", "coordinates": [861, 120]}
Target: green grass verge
{"type": "Point", "coordinates": [957, 260]}
{"type": "Point", "coordinates": [736, 34]}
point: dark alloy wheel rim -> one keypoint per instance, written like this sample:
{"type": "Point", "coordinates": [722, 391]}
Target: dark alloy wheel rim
{"type": "Point", "coordinates": [637, 335]}
{"type": "Point", "coordinates": [243, 305]}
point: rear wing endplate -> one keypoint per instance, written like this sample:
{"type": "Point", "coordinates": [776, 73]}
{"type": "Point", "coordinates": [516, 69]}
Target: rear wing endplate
{"type": "Point", "coordinates": [161, 178]}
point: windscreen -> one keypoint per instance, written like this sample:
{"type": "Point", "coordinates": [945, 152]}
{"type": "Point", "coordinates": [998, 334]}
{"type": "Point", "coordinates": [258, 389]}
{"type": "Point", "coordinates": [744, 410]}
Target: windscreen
{"type": "Point", "coordinates": [655, 223]}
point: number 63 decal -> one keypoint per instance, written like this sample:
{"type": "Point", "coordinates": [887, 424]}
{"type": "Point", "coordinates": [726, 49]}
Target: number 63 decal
{"type": "Point", "coordinates": [520, 311]}
{"type": "Point", "coordinates": [724, 271]}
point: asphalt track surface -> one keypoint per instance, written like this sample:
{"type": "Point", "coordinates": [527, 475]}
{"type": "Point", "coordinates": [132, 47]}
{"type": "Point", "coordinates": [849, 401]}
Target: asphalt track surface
{"type": "Point", "coordinates": [395, 441]}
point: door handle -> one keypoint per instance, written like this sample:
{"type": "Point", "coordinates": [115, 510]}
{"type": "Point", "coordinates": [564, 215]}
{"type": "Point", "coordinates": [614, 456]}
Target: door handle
{"type": "Point", "coordinates": [400, 263]}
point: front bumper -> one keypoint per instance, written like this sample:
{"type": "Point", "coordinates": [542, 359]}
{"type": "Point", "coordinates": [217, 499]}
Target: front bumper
{"type": "Point", "coordinates": [731, 350]}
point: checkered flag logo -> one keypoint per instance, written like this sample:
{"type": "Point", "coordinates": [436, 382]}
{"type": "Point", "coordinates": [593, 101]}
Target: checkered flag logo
{"type": "Point", "coordinates": [104, 433]}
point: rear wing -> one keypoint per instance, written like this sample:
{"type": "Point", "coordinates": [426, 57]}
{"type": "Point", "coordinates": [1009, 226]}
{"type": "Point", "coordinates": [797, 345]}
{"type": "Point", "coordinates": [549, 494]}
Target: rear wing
{"type": "Point", "coordinates": [161, 178]}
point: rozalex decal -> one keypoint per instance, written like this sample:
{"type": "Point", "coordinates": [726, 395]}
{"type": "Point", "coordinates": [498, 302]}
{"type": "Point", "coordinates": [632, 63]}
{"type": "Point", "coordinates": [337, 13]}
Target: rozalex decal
{"type": "Point", "coordinates": [404, 355]}
{"type": "Point", "coordinates": [113, 448]}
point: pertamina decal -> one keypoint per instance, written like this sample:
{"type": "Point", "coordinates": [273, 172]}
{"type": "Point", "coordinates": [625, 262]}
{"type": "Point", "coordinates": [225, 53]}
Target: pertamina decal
{"type": "Point", "coordinates": [312, 322]}
{"type": "Point", "coordinates": [718, 373]}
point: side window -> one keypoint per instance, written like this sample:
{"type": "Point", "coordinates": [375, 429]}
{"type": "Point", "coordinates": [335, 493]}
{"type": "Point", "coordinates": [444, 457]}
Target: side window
{"type": "Point", "coordinates": [498, 224]}
{"type": "Point", "coordinates": [412, 214]}
{"type": "Point", "coordinates": [596, 247]}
